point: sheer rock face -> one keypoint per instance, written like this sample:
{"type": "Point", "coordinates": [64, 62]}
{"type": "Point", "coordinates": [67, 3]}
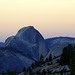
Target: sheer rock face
{"type": "Point", "coordinates": [28, 41]}
{"type": "Point", "coordinates": [23, 49]}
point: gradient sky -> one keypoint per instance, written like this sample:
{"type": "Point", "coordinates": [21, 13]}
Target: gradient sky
{"type": "Point", "coordinates": [51, 17]}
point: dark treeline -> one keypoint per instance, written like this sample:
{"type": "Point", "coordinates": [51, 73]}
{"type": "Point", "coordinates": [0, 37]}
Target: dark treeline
{"type": "Point", "coordinates": [68, 58]}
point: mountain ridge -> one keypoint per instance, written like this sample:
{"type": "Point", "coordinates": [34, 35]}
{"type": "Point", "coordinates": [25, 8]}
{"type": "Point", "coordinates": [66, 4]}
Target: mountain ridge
{"type": "Point", "coordinates": [23, 49]}
{"type": "Point", "coordinates": [27, 46]}
{"type": "Point", "coordinates": [56, 40]}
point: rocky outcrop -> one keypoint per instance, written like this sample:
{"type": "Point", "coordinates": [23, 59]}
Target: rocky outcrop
{"type": "Point", "coordinates": [50, 68]}
{"type": "Point", "coordinates": [29, 42]}
{"type": "Point", "coordinates": [22, 49]}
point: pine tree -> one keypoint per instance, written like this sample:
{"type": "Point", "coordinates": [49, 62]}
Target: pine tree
{"type": "Point", "coordinates": [63, 57]}
{"type": "Point", "coordinates": [46, 60]}
{"type": "Point", "coordinates": [2, 73]}
{"type": "Point", "coordinates": [14, 73]}
{"type": "Point", "coordinates": [43, 72]}
{"type": "Point", "coordinates": [72, 65]}
{"type": "Point", "coordinates": [32, 65]}
{"type": "Point", "coordinates": [24, 69]}
{"type": "Point", "coordinates": [50, 57]}
{"type": "Point", "coordinates": [41, 59]}
{"type": "Point", "coordinates": [54, 57]}
{"type": "Point", "coordinates": [36, 64]}
{"type": "Point", "coordinates": [38, 73]}
{"type": "Point", "coordinates": [29, 70]}
{"type": "Point", "coordinates": [66, 55]}
{"type": "Point", "coordinates": [8, 71]}
{"type": "Point", "coordinates": [70, 52]}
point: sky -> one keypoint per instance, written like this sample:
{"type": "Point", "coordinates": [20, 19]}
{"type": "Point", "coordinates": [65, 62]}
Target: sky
{"type": "Point", "coordinates": [53, 18]}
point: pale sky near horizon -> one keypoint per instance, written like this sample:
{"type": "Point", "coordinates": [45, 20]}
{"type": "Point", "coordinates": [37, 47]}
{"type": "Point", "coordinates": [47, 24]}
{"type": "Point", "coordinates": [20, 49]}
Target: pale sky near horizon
{"type": "Point", "coordinates": [52, 18]}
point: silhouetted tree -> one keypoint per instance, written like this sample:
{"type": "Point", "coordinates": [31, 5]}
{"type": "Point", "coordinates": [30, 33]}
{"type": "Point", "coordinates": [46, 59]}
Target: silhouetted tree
{"type": "Point", "coordinates": [30, 70]}
{"type": "Point", "coordinates": [14, 73]}
{"type": "Point", "coordinates": [70, 52]}
{"type": "Point", "coordinates": [50, 57]}
{"type": "Point", "coordinates": [8, 71]}
{"type": "Point", "coordinates": [72, 65]}
{"type": "Point", "coordinates": [24, 69]}
{"type": "Point", "coordinates": [46, 60]}
{"type": "Point", "coordinates": [36, 64]}
{"type": "Point", "coordinates": [43, 72]}
{"type": "Point", "coordinates": [66, 55]}
{"type": "Point", "coordinates": [54, 57]}
{"type": "Point", "coordinates": [32, 65]}
{"type": "Point", "coordinates": [38, 73]}
{"type": "Point", "coordinates": [41, 59]}
{"type": "Point", "coordinates": [63, 57]}
{"type": "Point", "coordinates": [3, 73]}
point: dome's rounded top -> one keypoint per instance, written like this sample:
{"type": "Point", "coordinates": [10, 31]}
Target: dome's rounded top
{"type": "Point", "coordinates": [26, 28]}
